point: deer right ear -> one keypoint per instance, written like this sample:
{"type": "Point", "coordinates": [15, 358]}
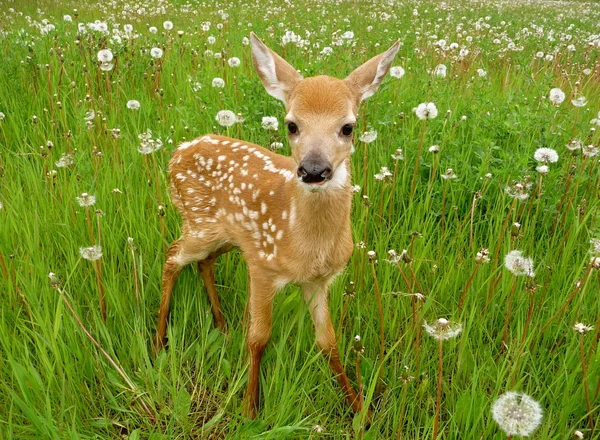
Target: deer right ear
{"type": "Point", "coordinates": [276, 74]}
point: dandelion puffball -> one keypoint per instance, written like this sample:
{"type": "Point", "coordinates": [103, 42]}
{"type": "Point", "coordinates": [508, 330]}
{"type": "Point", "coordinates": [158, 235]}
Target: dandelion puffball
{"type": "Point", "coordinates": [92, 253]}
{"type": "Point", "coordinates": [557, 96]}
{"type": "Point", "coordinates": [546, 155]}
{"type": "Point", "coordinates": [105, 56]}
{"type": "Point", "coordinates": [270, 123]}
{"type": "Point", "coordinates": [226, 118]}
{"type": "Point", "coordinates": [368, 136]}
{"type": "Point", "coordinates": [156, 52]}
{"type": "Point", "coordinates": [426, 110]}
{"type": "Point", "coordinates": [218, 83]}
{"type": "Point", "coordinates": [133, 104]}
{"type": "Point", "coordinates": [396, 72]}
{"type": "Point", "coordinates": [442, 329]}
{"type": "Point", "coordinates": [516, 263]}
{"type": "Point", "coordinates": [517, 414]}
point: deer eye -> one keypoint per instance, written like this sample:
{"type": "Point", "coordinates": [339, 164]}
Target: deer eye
{"type": "Point", "coordinates": [347, 130]}
{"type": "Point", "coordinates": [292, 128]}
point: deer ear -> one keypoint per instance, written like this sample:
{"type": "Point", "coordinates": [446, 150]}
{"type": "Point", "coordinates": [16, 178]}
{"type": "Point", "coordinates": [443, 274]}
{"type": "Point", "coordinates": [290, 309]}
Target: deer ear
{"type": "Point", "coordinates": [365, 80]}
{"type": "Point", "coordinates": [276, 74]}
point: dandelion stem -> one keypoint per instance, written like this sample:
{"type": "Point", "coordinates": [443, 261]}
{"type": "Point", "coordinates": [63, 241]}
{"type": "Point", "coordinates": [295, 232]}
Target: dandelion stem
{"type": "Point", "coordinates": [381, 328]}
{"type": "Point", "coordinates": [508, 310]}
{"type": "Point", "coordinates": [414, 180]}
{"type": "Point", "coordinates": [529, 314]}
{"type": "Point", "coordinates": [444, 194]}
{"type": "Point", "coordinates": [116, 366]}
{"type": "Point", "coordinates": [135, 278]}
{"type": "Point", "coordinates": [466, 289]}
{"type": "Point", "coordinates": [393, 192]}
{"type": "Point", "coordinates": [402, 405]}
{"type": "Point", "coordinates": [98, 270]}
{"type": "Point", "coordinates": [585, 382]}
{"type": "Point", "coordinates": [438, 400]}
{"type": "Point", "coordinates": [412, 294]}
{"type": "Point", "coordinates": [571, 297]}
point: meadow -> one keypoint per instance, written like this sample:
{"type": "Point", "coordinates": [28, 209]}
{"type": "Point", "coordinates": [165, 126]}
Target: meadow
{"type": "Point", "coordinates": [95, 97]}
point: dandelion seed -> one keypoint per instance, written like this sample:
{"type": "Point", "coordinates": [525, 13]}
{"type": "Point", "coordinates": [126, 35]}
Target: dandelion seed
{"type": "Point", "coordinates": [482, 256]}
{"type": "Point", "coordinates": [397, 72]}
{"type": "Point", "coordinates": [270, 123]}
{"type": "Point", "coordinates": [398, 154]}
{"type": "Point", "coordinates": [574, 144]}
{"type": "Point", "coordinates": [66, 160]}
{"type": "Point", "coordinates": [517, 414]}
{"type": "Point", "coordinates": [168, 25]}
{"type": "Point", "coordinates": [440, 71]}
{"type": "Point", "coordinates": [133, 104]}
{"type": "Point", "coordinates": [580, 101]}
{"type": "Point", "coordinates": [91, 253]}
{"type": "Point", "coordinates": [226, 118]}
{"type": "Point", "coordinates": [105, 56]}
{"type": "Point", "coordinates": [442, 329]}
{"type": "Point", "coordinates": [518, 191]}
{"type": "Point", "coordinates": [234, 62]}
{"type": "Point", "coordinates": [384, 174]}
{"type": "Point", "coordinates": [519, 265]}
{"type": "Point", "coordinates": [86, 200]}
{"type": "Point", "coordinates": [556, 96]}
{"type": "Point", "coordinates": [542, 169]}
{"type": "Point", "coordinates": [449, 174]}
{"type": "Point", "coordinates": [156, 52]}
{"type": "Point", "coordinates": [218, 83]}
{"type": "Point", "coordinates": [582, 329]}
{"type": "Point", "coordinates": [426, 110]}
{"type": "Point", "coordinates": [368, 136]}
{"type": "Point", "coordinates": [546, 155]}
{"type": "Point", "coordinates": [589, 150]}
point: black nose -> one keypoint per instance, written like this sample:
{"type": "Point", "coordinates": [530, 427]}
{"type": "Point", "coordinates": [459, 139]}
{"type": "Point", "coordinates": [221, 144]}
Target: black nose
{"type": "Point", "coordinates": [314, 170]}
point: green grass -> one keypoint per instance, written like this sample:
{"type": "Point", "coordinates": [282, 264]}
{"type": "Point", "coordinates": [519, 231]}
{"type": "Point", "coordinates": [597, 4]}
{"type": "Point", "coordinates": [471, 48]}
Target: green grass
{"type": "Point", "coordinates": [55, 383]}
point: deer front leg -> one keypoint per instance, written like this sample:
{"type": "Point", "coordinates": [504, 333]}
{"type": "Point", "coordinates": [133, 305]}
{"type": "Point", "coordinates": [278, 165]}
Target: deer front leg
{"type": "Point", "coordinates": [260, 306]}
{"type": "Point", "coordinates": [316, 295]}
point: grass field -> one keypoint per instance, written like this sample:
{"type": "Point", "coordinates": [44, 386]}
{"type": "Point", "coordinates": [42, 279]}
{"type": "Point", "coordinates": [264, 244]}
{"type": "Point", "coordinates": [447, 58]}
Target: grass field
{"type": "Point", "coordinates": [67, 129]}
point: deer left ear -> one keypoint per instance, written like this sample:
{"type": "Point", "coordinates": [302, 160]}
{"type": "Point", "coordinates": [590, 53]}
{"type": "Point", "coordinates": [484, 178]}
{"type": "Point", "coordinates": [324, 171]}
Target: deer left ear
{"type": "Point", "coordinates": [365, 80]}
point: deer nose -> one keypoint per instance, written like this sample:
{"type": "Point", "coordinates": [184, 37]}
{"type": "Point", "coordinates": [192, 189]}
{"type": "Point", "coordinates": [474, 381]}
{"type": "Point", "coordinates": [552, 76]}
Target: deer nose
{"type": "Point", "coordinates": [314, 170]}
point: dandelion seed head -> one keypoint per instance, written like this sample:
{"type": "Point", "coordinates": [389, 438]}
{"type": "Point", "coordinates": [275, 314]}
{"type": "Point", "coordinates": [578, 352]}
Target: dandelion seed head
{"type": "Point", "coordinates": [226, 118]}
{"type": "Point", "coordinates": [396, 72]}
{"type": "Point", "coordinates": [580, 101]}
{"type": "Point", "coordinates": [517, 414]}
{"type": "Point", "coordinates": [368, 136]}
{"type": "Point", "coordinates": [546, 155]}
{"type": "Point", "coordinates": [434, 149]}
{"type": "Point", "coordinates": [482, 256]}
{"type": "Point", "coordinates": [442, 329]}
{"type": "Point", "coordinates": [440, 71]}
{"type": "Point", "coordinates": [578, 434]}
{"type": "Point", "coordinates": [595, 242]}
{"type": "Point", "coordinates": [519, 265]}
{"type": "Point", "coordinates": [270, 123]}
{"type": "Point", "coordinates": [574, 144]}
{"type": "Point", "coordinates": [449, 174]}
{"type": "Point", "coordinates": [589, 150]}
{"type": "Point", "coordinates": [91, 253]}
{"type": "Point", "coordinates": [105, 55]}
{"type": "Point", "coordinates": [234, 62]}
{"type": "Point", "coordinates": [156, 52]}
{"type": "Point", "coordinates": [398, 154]}
{"type": "Point", "coordinates": [86, 200]}
{"type": "Point", "coordinates": [426, 110]}
{"type": "Point", "coordinates": [556, 96]}
{"type": "Point", "coordinates": [218, 83]}
{"type": "Point", "coordinates": [582, 329]}
{"type": "Point", "coordinates": [133, 104]}
{"type": "Point", "coordinates": [542, 169]}
{"type": "Point", "coordinates": [66, 160]}
{"type": "Point", "coordinates": [168, 25]}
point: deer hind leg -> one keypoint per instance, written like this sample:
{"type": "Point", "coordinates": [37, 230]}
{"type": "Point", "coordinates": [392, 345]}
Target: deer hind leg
{"type": "Point", "coordinates": [316, 295]}
{"type": "Point", "coordinates": [260, 306]}
{"type": "Point", "coordinates": [183, 251]}
{"type": "Point", "coordinates": [206, 268]}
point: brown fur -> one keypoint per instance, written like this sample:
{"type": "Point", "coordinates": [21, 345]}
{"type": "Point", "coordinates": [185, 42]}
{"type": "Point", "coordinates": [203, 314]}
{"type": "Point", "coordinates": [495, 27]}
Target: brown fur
{"type": "Point", "coordinates": [233, 194]}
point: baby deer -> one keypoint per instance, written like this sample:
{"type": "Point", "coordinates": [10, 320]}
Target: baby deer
{"type": "Point", "coordinates": [289, 216]}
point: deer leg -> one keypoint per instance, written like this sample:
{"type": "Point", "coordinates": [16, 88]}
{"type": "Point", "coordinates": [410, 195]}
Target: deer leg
{"type": "Point", "coordinates": [171, 271]}
{"type": "Point", "coordinates": [207, 272]}
{"type": "Point", "coordinates": [260, 308]}
{"type": "Point", "coordinates": [316, 295]}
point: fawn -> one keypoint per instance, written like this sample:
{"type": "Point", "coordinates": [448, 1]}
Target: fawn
{"type": "Point", "coordinates": [289, 216]}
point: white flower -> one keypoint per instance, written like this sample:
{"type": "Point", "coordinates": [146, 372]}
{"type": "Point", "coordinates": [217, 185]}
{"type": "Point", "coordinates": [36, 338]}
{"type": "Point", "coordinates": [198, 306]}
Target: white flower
{"type": "Point", "coordinates": [397, 72]}
{"type": "Point", "coordinates": [580, 101]}
{"type": "Point", "coordinates": [368, 136]}
{"type": "Point", "coordinates": [517, 414]}
{"type": "Point", "coordinates": [156, 52]}
{"type": "Point", "coordinates": [589, 150]}
{"type": "Point", "coordinates": [440, 71]}
{"type": "Point", "coordinates": [168, 25]}
{"type": "Point", "coordinates": [516, 263]}
{"type": "Point", "coordinates": [226, 118]}
{"type": "Point", "coordinates": [426, 110]}
{"type": "Point", "coordinates": [582, 329]}
{"type": "Point", "coordinates": [65, 160]}
{"type": "Point", "coordinates": [545, 155]}
{"type": "Point", "coordinates": [233, 62]}
{"type": "Point", "coordinates": [270, 123]}
{"type": "Point", "coordinates": [557, 96]}
{"type": "Point", "coordinates": [449, 174]}
{"type": "Point", "coordinates": [133, 104]}
{"type": "Point", "coordinates": [443, 329]}
{"type": "Point", "coordinates": [574, 144]}
{"type": "Point", "coordinates": [218, 83]}
{"type": "Point", "coordinates": [105, 56]}
{"type": "Point", "coordinates": [86, 200]}
{"type": "Point", "coordinates": [92, 253]}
